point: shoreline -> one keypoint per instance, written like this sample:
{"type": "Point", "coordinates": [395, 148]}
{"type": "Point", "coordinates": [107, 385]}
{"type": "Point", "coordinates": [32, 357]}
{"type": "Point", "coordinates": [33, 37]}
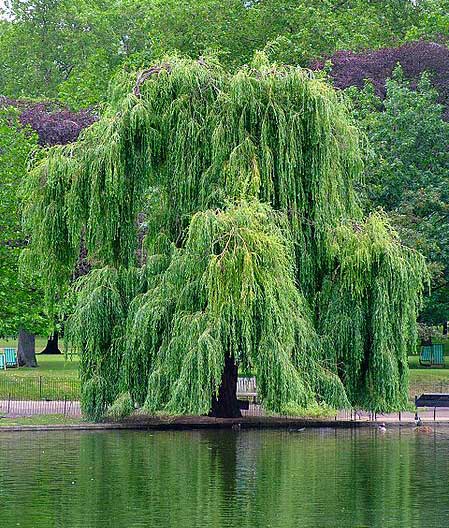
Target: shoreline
{"type": "Point", "coordinates": [202, 423]}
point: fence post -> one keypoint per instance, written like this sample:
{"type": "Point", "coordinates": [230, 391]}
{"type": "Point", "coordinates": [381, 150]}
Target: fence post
{"type": "Point", "coordinates": [40, 387]}
{"type": "Point", "coordinates": [65, 405]}
{"type": "Point", "coordinates": [9, 402]}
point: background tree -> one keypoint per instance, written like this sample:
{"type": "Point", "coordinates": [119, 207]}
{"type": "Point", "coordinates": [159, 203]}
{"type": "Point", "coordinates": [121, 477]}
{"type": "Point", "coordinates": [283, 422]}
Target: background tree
{"type": "Point", "coordinates": [71, 50]}
{"type": "Point", "coordinates": [67, 50]}
{"type": "Point", "coordinates": [256, 254]}
{"type": "Point", "coordinates": [354, 69]}
{"type": "Point", "coordinates": [24, 124]}
{"type": "Point", "coordinates": [21, 297]}
{"type": "Point", "coordinates": [406, 173]}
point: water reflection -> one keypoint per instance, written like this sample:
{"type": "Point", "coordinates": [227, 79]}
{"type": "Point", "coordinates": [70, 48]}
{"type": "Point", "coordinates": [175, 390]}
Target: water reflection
{"type": "Point", "coordinates": [225, 479]}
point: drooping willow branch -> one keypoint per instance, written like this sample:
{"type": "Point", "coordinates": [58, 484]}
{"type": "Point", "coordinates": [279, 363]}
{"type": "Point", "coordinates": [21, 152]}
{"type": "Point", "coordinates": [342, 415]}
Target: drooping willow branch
{"type": "Point", "coordinates": [256, 247]}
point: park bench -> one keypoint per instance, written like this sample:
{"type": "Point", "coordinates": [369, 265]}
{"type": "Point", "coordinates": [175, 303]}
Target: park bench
{"type": "Point", "coordinates": [246, 389]}
{"type": "Point", "coordinates": [11, 357]}
{"type": "Point", "coordinates": [432, 356]}
{"type": "Point", "coordinates": [2, 361]}
{"type": "Point", "coordinates": [432, 400]}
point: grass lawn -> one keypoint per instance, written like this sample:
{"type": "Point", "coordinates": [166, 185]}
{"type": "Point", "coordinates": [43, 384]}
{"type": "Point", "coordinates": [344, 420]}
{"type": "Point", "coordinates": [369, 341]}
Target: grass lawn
{"type": "Point", "coordinates": [427, 379]}
{"type": "Point", "coordinates": [40, 343]}
{"type": "Point", "coordinates": [49, 366]}
{"type": "Point", "coordinates": [55, 377]}
{"type": "Point", "coordinates": [42, 419]}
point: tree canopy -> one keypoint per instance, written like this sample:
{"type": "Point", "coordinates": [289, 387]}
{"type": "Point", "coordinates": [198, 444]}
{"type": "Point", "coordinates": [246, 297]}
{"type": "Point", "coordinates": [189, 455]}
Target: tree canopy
{"type": "Point", "coordinates": [220, 213]}
{"type": "Point", "coordinates": [71, 50]}
{"type": "Point", "coordinates": [406, 173]}
{"type": "Point", "coordinates": [20, 296]}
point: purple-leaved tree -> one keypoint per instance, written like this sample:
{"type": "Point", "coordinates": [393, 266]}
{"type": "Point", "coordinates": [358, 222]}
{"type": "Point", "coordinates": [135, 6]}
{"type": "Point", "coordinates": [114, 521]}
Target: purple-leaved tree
{"type": "Point", "coordinates": [352, 69]}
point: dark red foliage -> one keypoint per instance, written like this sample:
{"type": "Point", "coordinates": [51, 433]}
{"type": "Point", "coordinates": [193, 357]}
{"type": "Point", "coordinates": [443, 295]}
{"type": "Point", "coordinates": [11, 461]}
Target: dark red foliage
{"type": "Point", "coordinates": [351, 69]}
{"type": "Point", "coordinates": [54, 124]}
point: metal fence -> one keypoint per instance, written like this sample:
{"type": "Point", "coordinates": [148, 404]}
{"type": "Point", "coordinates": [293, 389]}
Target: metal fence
{"type": "Point", "coordinates": [38, 388]}
{"type": "Point", "coordinates": [21, 396]}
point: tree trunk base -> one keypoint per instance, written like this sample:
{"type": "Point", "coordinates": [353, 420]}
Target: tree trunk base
{"type": "Point", "coordinates": [227, 405]}
{"type": "Point", "coordinates": [52, 345]}
{"type": "Point", "coordinates": [26, 350]}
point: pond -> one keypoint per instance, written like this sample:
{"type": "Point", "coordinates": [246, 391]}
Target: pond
{"type": "Point", "coordinates": [245, 479]}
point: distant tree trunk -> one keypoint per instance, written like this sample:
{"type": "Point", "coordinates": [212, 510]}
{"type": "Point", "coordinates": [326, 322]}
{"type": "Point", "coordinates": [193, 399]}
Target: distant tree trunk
{"type": "Point", "coordinates": [52, 346]}
{"type": "Point", "coordinates": [445, 328]}
{"type": "Point", "coordinates": [26, 349]}
{"type": "Point", "coordinates": [227, 405]}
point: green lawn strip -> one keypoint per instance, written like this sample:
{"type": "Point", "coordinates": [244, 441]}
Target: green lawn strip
{"type": "Point", "coordinates": [50, 366]}
{"type": "Point", "coordinates": [41, 419]}
{"type": "Point", "coordinates": [57, 366]}
{"type": "Point", "coordinates": [427, 379]}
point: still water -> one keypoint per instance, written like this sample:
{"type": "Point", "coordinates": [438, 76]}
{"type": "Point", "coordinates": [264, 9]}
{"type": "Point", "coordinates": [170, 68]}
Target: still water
{"type": "Point", "coordinates": [244, 479]}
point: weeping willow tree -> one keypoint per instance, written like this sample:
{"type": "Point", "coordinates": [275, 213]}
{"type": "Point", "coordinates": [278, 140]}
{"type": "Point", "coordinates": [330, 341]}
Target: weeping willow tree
{"type": "Point", "coordinates": [220, 216]}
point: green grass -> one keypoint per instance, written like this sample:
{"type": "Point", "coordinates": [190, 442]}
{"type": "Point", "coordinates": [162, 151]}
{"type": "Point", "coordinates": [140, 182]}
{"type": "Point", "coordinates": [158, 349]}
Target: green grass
{"type": "Point", "coordinates": [55, 377]}
{"type": "Point", "coordinates": [427, 372]}
{"type": "Point", "coordinates": [41, 419]}
{"type": "Point", "coordinates": [427, 379]}
{"type": "Point", "coordinates": [50, 366]}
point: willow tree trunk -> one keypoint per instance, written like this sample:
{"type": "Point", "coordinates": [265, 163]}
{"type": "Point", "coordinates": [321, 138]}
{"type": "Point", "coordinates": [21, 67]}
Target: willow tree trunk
{"type": "Point", "coordinates": [227, 405]}
{"type": "Point", "coordinates": [52, 346]}
{"type": "Point", "coordinates": [26, 349]}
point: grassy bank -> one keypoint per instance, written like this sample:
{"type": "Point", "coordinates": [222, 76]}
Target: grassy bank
{"type": "Point", "coordinates": [42, 419]}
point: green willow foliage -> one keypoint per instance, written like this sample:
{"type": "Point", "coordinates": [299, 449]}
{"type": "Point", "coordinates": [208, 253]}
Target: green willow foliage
{"type": "Point", "coordinates": [255, 246]}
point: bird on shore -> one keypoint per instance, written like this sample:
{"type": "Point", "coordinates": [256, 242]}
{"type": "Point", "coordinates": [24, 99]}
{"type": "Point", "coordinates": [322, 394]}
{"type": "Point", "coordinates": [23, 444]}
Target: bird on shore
{"type": "Point", "coordinates": [382, 428]}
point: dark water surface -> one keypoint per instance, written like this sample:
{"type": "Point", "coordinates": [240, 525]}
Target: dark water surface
{"type": "Point", "coordinates": [245, 479]}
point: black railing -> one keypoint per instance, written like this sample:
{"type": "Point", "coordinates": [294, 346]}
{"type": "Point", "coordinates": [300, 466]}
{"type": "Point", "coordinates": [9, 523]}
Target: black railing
{"type": "Point", "coordinates": [38, 388]}
{"type": "Point", "coordinates": [23, 396]}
